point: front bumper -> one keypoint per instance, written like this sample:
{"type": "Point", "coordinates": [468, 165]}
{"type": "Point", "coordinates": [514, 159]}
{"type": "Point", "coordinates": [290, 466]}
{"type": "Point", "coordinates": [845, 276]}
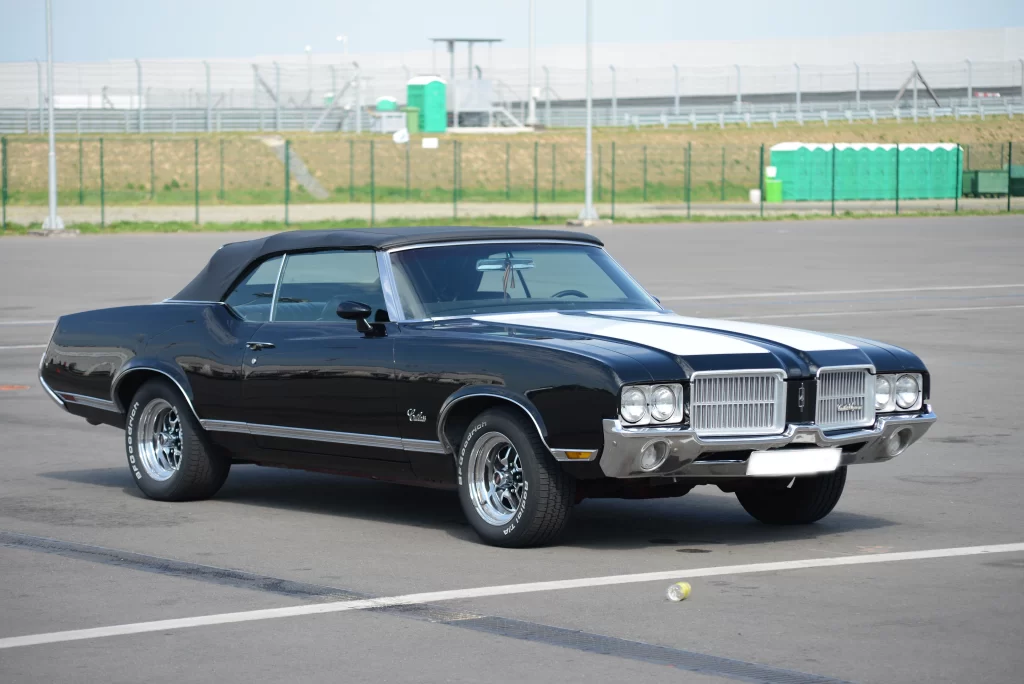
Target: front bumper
{"type": "Point", "coordinates": [692, 456]}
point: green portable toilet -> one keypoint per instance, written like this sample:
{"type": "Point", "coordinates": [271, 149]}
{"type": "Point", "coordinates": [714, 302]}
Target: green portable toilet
{"type": "Point", "coordinates": [867, 171]}
{"type": "Point", "coordinates": [428, 94]}
{"type": "Point", "coordinates": [387, 104]}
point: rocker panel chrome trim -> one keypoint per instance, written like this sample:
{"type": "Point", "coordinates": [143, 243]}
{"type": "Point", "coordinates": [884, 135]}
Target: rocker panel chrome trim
{"type": "Point", "coordinates": [83, 400]}
{"type": "Point", "coordinates": [351, 438]}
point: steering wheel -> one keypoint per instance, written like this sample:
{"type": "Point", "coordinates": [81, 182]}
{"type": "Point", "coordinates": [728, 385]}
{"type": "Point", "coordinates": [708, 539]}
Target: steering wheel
{"type": "Point", "coordinates": [574, 293]}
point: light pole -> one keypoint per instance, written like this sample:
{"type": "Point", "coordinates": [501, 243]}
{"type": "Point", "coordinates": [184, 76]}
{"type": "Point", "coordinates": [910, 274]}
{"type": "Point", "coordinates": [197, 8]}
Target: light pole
{"type": "Point", "coordinates": [797, 68]}
{"type": "Point", "coordinates": [739, 90]}
{"type": "Point", "coordinates": [589, 213]}
{"type": "Point", "coordinates": [856, 68]}
{"type": "Point", "coordinates": [344, 41]}
{"type": "Point", "coordinates": [531, 112]}
{"type": "Point", "coordinates": [54, 222]}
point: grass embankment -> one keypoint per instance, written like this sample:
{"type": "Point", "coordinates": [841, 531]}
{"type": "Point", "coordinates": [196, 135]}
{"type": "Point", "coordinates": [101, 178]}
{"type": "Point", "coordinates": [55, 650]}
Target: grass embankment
{"type": "Point", "coordinates": [14, 229]}
{"type": "Point", "coordinates": [649, 164]}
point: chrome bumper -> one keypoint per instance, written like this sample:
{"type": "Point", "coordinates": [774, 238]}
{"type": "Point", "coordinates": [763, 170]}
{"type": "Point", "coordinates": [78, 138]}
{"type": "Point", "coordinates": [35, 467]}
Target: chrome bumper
{"type": "Point", "coordinates": [620, 457]}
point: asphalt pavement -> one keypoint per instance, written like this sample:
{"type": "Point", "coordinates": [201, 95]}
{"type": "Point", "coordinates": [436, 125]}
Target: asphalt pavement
{"type": "Point", "coordinates": [294, 576]}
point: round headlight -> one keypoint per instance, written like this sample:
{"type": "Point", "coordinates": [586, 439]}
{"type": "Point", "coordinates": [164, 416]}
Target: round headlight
{"type": "Point", "coordinates": [883, 392]}
{"type": "Point", "coordinates": [634, 405]}
{"type": "Point", "coordinates": [663, 403]}
{"type": "Point", "coordinates": [907, 391]}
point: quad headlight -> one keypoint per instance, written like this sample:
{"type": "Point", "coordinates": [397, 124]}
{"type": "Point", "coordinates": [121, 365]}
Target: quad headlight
{"type": "Point", "coordinates": [898, 392]}
{"type": "Point", "coordinates": [652, 404]}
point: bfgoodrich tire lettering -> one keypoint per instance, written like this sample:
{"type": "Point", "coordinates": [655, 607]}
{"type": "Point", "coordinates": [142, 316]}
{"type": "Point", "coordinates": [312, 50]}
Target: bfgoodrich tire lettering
{"type": "Point", "coordinates": [518, 496]}
{"type": "Point", "coordinates": [189, 468]}
{"type": "Point", "coordinates": [806, 500]}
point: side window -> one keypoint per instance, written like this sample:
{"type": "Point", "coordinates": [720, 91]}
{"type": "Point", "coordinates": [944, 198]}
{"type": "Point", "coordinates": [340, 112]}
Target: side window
{"type": "Point", "coordinates": [314, 284]}
{"type": "Point", "coordinates": [252, 298]}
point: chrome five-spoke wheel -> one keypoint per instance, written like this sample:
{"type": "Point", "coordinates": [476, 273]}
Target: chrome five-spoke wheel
{"type": "Point", "coordinates": [495, 478]}
{"type": "Point", "coordinates": [160, 443]}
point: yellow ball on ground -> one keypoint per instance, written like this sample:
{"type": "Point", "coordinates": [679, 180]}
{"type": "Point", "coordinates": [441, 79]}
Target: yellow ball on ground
{"type": "Point", "coordinates": [680, 591]}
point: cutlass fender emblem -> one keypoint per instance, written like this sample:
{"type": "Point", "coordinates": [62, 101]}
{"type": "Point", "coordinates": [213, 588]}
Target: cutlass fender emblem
{"type": "Point", "coordinates": [415, 416]}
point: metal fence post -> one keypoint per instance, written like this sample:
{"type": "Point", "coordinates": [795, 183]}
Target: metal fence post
{"type": "Point", "coordinates": [152, 170]}
{"type": "Point", "coordinates": [615, 101]}
{"type": "Point", "coordinates": [508, 177]}
{"type": "Point", "coordinates": [408, 146]}
{"type": "Point", "coordinates": [103, 190]}
{"type": "Point", "coordinates": [553, 172]}
{"type": "Point", "coordinates": [645, 173]}
{"type": "Point", "coordinates": [722, 183]}
{"type": "Point", "coordinates": [897, 179]}
{"type": "Point", "coordinates": [287, 177]}
{"type": "Point", "coordinates": [455, 180]}
{"type": "Point", "coordinates": [351, 171]}
{"type": "Point", "coordinates": [760, 179]}
{"type": "Point", "coordinates": [81, 192]}
{"type": "Point", "coordinates": [3, 183]}
{"type": "Point", "coordinates": [536, 147]}
{"type": "Point", "coordinates": [373, 185]}
{"type": "Point", "coordinates": [600, 166]}
{"type": "Point", "coordinates": [39, 96]}
{"type": "Point", "coordinates": [833, 179]}
{"type": "Point", "coordinates": [209, 99]}
{"type": "Point", "coordinates": [1009, 175]}
{"type": "Point", "coordinates": [958, 181]}
{"type": "Point", "coordinates": [739, 90]}
{"type": "Point", "coordinates": [675, 88]}
{"type": "Point", "coordinates": [138, 72]}
{"type": "Point", "coordinates": [689, 157]}
{"type": "Point", "coordinates": [195, 144]}
{"type": "Point", "coordinates": [613, 180]}
{"type": "Point", "coordinates": [277, 96]}
{"type": "Point", "coordinates": [222, 169]}
{"type": "Point", "coordinates": [458, 146]}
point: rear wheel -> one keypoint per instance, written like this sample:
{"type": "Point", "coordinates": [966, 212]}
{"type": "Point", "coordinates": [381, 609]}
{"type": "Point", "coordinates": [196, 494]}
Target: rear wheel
{"type": "Point", "coordinates": [798, 502]}
{"type": "Point", "coordinates": [168, 452]}
{"type": "Point", "coordinates": [512, 490]}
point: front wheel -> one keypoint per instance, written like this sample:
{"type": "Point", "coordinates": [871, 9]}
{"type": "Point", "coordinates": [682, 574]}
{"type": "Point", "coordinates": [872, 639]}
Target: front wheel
{"type": "Point", "coordinates": [798, 502]}
{"type": "Point", "coordinates": [168, 453]}
{"type": "Point", "coordinates": [512, 490]}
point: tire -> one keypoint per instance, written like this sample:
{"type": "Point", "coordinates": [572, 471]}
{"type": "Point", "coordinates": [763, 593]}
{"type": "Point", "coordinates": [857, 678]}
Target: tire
{"type": "Point", "coordinates": [530, 503]}
{"type": "Point", "coordinates": [187, 467]}
{"type": "Point", "coordinates": [807, 500]}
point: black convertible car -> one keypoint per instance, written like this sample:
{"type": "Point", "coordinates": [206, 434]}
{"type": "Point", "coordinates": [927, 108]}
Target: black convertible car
{"type": "Point", "coordinates": [523, 367]}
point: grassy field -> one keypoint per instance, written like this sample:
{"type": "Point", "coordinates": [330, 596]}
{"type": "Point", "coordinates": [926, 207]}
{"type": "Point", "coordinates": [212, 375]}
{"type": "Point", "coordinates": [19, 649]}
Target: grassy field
{"type": "Point", "coordinates": [649, 165]}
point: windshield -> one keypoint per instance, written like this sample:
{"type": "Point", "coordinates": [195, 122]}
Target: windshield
{"type": "Point", "coordinates": [461, 280]}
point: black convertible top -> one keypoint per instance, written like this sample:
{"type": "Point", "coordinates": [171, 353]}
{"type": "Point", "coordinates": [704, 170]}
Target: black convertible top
{"type": "Point", "coordinates": [232, 259]}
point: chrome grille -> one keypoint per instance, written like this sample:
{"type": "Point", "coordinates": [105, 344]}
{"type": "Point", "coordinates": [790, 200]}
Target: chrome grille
{"type": "Point", "coordinates": [846, 398]}
{"type": "Point", "coordinates": [738, 403]}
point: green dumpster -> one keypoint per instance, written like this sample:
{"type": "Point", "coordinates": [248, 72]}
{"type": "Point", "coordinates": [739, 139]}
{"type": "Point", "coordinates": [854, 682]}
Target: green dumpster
{"type": "Point", "coordinates": [773, 191]}
{"type": "Point", "coordinates": [412, 120]}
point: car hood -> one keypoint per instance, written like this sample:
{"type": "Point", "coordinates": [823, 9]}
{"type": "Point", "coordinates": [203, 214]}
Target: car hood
{"type": "Point", "coordinates": [706, 344]}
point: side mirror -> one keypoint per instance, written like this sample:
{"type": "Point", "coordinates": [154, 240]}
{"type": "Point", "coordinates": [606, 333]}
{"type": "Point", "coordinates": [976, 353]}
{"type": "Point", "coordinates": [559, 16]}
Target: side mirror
{"type": "Point", "coordinates": [358, 312]}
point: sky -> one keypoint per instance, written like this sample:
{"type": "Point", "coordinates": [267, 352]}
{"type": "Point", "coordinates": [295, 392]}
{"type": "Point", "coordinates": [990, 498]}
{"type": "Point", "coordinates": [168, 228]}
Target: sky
{"type": "Point", "coordinates": [97, 30]}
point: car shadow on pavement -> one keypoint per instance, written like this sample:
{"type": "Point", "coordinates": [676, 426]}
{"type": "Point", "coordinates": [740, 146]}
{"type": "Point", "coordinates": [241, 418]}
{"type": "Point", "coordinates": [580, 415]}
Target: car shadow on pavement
{"type": "Point", "coordinates": [695, 523]}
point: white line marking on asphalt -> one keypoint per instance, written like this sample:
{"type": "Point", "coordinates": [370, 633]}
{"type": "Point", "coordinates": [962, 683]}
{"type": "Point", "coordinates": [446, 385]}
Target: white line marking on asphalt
{"type": "Point", "coordinates": [46, 322]}
{"type": "Point", "coordinates": [23, 346]}
{"type": "Point", "coordinates": [811, 293]}
{"type": "Point", "coordinates": [501, 590]}
{"type": "Point", "coordinates": [820, 314]}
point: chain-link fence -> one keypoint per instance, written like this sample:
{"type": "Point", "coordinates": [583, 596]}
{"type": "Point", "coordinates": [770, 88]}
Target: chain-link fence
{"type": "Point", "coordinates": [234, 179]}
{"type": "Point", "coordinates": [147, 96]}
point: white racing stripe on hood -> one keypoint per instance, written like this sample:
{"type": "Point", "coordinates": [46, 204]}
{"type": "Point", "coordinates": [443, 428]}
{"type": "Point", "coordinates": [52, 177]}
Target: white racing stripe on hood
{"type": "Point", "coordinates": [679, 341]}
{"type": "Point", "coordinates": [802, 340]}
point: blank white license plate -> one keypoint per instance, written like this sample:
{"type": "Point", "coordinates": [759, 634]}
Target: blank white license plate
{"type": "Point", "coordinates": [780, 462]}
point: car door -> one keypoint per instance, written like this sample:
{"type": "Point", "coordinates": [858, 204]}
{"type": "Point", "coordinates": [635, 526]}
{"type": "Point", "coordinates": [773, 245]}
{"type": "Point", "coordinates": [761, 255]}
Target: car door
{"type": "Point", "coordinates": [313, 382]}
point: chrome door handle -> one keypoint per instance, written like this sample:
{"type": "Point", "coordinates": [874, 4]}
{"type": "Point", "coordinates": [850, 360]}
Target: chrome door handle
{"type": "Point", "coordinates": [256, 346]}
